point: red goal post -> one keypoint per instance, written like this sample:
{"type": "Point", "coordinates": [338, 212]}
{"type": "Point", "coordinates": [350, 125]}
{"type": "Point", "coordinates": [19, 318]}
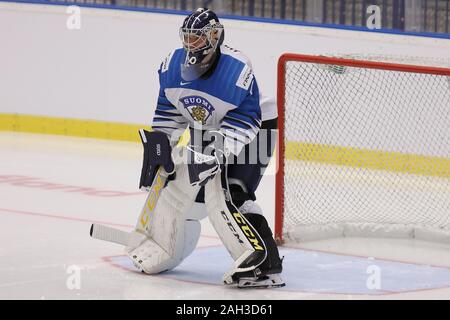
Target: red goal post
{"type": "Point", "coordinates": [396, 162]}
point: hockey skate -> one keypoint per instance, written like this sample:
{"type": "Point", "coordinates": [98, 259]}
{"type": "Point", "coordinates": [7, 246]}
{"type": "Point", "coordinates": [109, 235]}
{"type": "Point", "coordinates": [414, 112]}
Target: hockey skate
{"type": "Point", "coordinates": [255, 279]}
{"type": "Point", "coordinates": [268, 281]}
{"type": "Point", "coordinates": [266, 276]}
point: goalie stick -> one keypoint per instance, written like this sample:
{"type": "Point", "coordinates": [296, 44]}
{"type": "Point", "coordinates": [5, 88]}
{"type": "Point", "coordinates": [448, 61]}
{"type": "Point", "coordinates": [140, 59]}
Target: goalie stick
{"type": "Point", "coordinates": [110, 234]}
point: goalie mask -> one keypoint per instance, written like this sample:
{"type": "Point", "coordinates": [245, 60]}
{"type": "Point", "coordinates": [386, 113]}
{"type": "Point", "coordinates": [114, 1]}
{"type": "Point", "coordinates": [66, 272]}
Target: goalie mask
{"type": "Point", "coordinates": [201, 35]}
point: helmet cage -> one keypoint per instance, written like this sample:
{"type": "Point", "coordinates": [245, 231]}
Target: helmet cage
{"type": "Point", "coordinates": [199, 42]}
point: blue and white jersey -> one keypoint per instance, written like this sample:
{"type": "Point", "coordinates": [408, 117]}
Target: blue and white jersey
{"type": "Point", "coordinates": [228, 100]}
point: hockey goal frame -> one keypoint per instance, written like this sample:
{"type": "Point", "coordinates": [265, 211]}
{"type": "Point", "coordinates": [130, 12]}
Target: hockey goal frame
{"type": "Point", "coordinates": [287, 57]}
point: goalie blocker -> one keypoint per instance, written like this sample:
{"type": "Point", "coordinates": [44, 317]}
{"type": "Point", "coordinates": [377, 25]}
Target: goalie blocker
{"type": "Point", "coordinates": [157, 153]}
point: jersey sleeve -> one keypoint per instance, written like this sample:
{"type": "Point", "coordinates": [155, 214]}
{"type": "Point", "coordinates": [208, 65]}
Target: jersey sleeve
{"type": "Point", "coordinates": [241, 125]}
{"type": "Point", "coordinates": [166, 118]}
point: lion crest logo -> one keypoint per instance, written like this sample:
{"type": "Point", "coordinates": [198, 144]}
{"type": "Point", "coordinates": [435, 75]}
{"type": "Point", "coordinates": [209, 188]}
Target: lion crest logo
{"type": "Point", "coordinates": [199, 114]}
{"type": "Point", "coordinates": [198, 107]}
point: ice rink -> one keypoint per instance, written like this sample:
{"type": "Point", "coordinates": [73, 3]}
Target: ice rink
{"type": "Point", "coordinates": [53, 187]}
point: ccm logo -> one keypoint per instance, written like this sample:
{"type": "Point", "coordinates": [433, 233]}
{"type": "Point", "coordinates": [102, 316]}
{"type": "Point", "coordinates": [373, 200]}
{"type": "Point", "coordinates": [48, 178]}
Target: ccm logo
{"type": "Point", "coordinates": [245, 229]}
{"type": "Point", "coordinates": [158, 149]}
{"type": "Point", "coordinates": [230, 225]}
{"type": "Point", "coordinates": [151, 201]}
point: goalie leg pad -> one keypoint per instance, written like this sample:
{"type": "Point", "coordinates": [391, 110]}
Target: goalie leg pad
{"type": "Point", "coordinates": [237, 234]}
{"type": "Point", "coordinates": [253, 213]}
{"type": "Point", "coordinates": [170, 212]}
{"type": "Point", "coordinates": [171, 235]}
{"type": "Point", "coordinates": [273, 263]}
{"type": "Point", "coordinates": [240, 238]}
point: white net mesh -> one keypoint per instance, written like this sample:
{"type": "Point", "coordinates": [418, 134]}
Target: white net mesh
{"type": "Point", "coordinates": [367, 152]}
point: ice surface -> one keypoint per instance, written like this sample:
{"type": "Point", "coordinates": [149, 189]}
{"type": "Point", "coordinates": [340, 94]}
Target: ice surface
{"type": "Point", "coordinates": [52, 188]}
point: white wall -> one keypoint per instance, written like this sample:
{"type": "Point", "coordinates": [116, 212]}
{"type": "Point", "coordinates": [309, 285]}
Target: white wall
{"type": "Point", "coordinates": [107, 70]}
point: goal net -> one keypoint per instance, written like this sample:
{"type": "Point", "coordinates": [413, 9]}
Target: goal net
{"type": "Point", "coordinates": [364, 149]}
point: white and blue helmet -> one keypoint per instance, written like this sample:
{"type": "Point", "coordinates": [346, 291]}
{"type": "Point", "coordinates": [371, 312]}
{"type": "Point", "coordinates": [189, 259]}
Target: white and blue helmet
{"type": "Point", "coordinates": [201, 34]}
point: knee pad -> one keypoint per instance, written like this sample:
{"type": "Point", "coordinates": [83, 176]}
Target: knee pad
{"type": "Point", "coordinates": [238, 192]}
{"type": "Point", "coordinates": [250, 206]}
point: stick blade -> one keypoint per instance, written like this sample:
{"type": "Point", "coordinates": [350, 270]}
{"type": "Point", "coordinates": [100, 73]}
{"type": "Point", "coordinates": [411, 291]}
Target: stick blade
{"type": "Point", "coordinates": [110, 234]}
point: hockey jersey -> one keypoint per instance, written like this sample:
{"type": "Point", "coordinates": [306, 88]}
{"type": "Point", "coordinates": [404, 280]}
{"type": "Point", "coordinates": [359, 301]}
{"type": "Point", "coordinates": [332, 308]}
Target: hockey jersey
{"type": "Point", "coordinates": [228, 100]}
